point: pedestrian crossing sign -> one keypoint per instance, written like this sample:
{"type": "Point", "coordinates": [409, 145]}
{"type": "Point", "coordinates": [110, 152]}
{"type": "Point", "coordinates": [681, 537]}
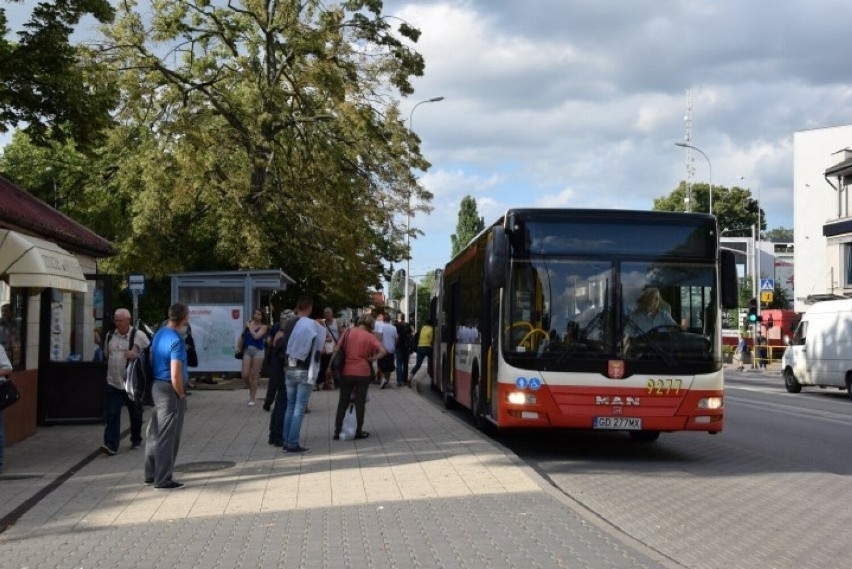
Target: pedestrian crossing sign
{"type": "Point", "coordinates": [767, 285]}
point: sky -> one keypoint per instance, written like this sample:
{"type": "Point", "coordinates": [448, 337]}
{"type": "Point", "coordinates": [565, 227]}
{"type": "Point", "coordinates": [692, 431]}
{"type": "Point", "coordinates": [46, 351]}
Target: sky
{"type": "Point", "coordinates": [579, 103]}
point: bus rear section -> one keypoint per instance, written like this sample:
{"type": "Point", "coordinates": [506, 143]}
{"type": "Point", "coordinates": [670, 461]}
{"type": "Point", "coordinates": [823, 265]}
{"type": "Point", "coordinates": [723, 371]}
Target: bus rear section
{"type": "Point", "coordinates": [590, 319]}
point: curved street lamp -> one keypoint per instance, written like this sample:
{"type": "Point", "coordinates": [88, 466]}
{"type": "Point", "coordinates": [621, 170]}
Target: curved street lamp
{"type": "Point", "coordinates": [709, 166]}
{"type": "Point", "coordinates": [408, 212]}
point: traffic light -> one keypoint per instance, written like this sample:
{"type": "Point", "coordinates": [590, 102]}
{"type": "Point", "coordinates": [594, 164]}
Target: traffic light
{"type": "Point", "coordinates": [752, 314]}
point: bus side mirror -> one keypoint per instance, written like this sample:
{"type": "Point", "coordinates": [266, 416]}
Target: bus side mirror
{"type": "Point", "coordinates": [730, 292]}
{"type": "Point", "coordinates": [496, 258]}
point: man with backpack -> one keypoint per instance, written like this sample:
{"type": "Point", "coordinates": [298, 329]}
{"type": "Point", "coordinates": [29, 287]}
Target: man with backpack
{"type": "Point", "coordinates": [122, 345]}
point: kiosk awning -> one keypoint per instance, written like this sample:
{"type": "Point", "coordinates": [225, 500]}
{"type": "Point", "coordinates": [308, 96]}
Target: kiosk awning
{"type": "Point", "coordinates": [30, 262]}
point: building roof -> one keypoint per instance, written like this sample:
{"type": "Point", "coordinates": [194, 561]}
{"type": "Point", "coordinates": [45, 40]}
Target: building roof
{"type": "Point", "coordinates": [23, 212]}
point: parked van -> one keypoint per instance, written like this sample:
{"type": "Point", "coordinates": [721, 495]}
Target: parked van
{"type": "Point", "coordinates": [820, 352]}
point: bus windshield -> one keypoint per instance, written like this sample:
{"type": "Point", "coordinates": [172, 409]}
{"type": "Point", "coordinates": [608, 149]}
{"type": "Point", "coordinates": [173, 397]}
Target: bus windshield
{"type": "Point", "coordinates": [561, 310]}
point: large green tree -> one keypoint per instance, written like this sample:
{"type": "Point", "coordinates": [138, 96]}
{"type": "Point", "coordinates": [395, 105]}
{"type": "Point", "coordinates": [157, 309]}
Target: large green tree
{"type": "Point", "coordinates": [469, 225]}
{"type": "Point", "coordinates": [734, 207]}
{"type": "Point", "coordinates": [261, 134]}
{"type": "Point", "coordinates": [45, 84]}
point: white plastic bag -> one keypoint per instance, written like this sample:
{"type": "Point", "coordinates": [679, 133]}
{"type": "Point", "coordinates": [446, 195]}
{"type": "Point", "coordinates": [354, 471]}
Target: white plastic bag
{"type": "Point", "coordinates": [350, 424]}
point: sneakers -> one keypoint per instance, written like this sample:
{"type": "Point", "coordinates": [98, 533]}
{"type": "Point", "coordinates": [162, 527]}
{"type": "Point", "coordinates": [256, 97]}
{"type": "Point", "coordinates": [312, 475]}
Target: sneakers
{"type": "Point", "coordinates": [134, 446]}
{"type": "Point", "coordinates": [384, 384]}
{"type": "Point", "coordinates": [170, 485]}
{"type": "Point", "coordinates": [251, 403]}
{"type": "Point", "coordinates": [297, 450]}
{"type": "Point", "coordinates": [108, 451]}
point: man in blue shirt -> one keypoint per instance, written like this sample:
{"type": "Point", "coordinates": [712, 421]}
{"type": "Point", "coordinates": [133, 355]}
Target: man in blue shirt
{"type": "Point", "coordinates": [168, 353]}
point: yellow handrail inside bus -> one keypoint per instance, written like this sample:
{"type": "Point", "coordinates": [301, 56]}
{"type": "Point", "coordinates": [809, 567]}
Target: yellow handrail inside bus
{"type": "Point", "coordinates": [528, 339]}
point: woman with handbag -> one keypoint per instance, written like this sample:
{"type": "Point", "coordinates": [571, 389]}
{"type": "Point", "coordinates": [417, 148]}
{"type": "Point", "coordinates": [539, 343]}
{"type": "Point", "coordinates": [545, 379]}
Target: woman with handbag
{"type": "Point", "coordinates": [360, 349]}
{"type": "Point", "coordinates": [254, 340]}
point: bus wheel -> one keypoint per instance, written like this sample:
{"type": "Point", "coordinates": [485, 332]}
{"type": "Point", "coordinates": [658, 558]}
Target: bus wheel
{"type": "Point", "coordinates": [791, 383]}
{"type": "Point", "coordinates": [644, 436]}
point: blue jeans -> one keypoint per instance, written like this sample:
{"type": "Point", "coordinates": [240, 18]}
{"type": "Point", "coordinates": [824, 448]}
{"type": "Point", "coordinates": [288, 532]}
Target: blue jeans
{"type": "Point", "coordinates": [423, 353]}
{"type": "Point", "coordinates": [116, 399]}
{"type": "Point", "coordinates": [298, 393]}
{"type": "Point", "coordinates": [401, 366]}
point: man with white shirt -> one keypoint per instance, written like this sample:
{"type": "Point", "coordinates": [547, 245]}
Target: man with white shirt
{"type": "Point", "coordinates": [388, 335]}
{"type": "Point", "coordinates": [122, 345]}
{"type": "Point", "coordinates": [301, 367]}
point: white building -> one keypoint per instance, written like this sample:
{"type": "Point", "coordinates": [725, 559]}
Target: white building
{"type": "Point", "coordinates": [822, 168]}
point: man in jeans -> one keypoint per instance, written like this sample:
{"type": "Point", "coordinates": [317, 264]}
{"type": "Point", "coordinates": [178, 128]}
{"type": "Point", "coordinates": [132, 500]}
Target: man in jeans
{"type": "Point", "coordinates": [124, 344]}
{"type": "Point", "coordinates": [300, 372]}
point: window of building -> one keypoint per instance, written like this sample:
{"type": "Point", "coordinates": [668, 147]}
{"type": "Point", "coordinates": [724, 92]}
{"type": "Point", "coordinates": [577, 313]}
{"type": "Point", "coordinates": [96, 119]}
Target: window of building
{"type": "Point", "coordinates": [72, 331]}
{"type": "Point", "coordinates": [847, 264]}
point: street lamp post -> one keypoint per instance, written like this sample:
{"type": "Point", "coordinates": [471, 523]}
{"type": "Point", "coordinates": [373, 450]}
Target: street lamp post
{"type": "Point", "coordinates": [408, 212]}
{"type": "Point", "coordinates": [709, 166]}
{"type": "Point", "coordinates": [756, 245]}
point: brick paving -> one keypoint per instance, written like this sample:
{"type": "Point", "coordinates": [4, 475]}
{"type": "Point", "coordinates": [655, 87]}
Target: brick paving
{"type": "Point", "coordinates": [424, 490]}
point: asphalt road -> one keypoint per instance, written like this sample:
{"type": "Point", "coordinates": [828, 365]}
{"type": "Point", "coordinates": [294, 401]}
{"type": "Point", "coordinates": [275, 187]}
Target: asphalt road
{"type": "Point", "coordinates": [770, 491]}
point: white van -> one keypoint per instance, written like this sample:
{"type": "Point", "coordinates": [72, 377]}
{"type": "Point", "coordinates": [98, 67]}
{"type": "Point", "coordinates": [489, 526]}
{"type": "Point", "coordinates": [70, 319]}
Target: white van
{"type": "Point", "coordinates": [820, 352]}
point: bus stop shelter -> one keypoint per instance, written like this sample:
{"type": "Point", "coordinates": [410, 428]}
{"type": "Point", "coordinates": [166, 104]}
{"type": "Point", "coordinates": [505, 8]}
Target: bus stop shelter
{"type": "Point", "coordinates": [219, 305]}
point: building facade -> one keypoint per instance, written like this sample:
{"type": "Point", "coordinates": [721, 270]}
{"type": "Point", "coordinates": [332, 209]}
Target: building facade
{"type": "Point", "coordinates": [822, 170]}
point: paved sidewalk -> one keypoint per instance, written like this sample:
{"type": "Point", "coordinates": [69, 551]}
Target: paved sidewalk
{"type": "Point", "coordinates": [424, 490]}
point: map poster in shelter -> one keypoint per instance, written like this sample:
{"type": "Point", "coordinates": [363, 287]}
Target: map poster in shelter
{"type": "Point", "coordinates": [215, 329]}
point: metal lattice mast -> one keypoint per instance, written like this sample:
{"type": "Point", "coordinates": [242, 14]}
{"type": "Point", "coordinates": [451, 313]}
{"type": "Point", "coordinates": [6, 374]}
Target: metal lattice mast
{"type": "Point", "coordinates": [690, 162]}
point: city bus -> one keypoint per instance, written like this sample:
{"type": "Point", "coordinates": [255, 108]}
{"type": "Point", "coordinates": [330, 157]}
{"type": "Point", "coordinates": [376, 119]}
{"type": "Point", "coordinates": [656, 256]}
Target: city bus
{"type": "Point", "coordinates": [543, 321]}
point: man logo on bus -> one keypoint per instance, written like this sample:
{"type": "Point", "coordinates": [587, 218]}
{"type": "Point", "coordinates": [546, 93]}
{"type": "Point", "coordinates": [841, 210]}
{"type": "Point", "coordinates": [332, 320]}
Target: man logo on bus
{"type": "Point", "coordinates": [617, 400]}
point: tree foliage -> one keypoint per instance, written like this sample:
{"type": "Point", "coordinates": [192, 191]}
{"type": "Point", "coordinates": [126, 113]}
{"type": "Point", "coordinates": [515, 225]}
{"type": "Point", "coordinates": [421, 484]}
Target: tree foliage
{"type": "Point", "coordinates": [44, 81]}
{"type": "Point", "coordinates": [469, 225]}
{"type": "Point", "coordinates": [262, 134]}
{"type": "Point", "coordinates": [779, 235]}
{"type": "Point", "coordinates": [734, 207]}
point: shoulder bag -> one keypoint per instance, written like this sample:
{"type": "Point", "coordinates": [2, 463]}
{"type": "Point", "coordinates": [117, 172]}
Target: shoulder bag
{"type": "Point", "coordinates": [339, 357]}
{"type": "Point", "coordinates": [9, 394]}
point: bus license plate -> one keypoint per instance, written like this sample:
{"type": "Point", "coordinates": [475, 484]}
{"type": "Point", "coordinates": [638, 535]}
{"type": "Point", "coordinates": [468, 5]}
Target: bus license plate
{"type": "Point", "coordinates": [618, 423]}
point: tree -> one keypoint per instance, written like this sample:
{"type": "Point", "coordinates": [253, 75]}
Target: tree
{"type": "Point", "coordinates": [469, 225]}
{"type": "Point", "coordinates": [734, 207]}
{"type": "Point", "coordinates": [43, 80]}
{"type": "Point", "coordinates": [780, 298]}
{"type": "Point", "coordinates": [425, 290]}
{"type": "Point", "coordinates": [779, 235]}
{"type": "Point", "coordinates": [263, 135]}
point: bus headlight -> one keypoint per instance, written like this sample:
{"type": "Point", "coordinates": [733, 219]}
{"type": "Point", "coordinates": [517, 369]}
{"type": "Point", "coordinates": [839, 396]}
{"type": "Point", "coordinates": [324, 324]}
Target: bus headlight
{"type": "Point", "coordinates": [710, 403]}
{"type": "Point", "coordinates": [521, 398]}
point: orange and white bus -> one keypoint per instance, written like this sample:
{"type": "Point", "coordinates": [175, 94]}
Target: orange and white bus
{"type": "Point", "coordinates": [587, 319]}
